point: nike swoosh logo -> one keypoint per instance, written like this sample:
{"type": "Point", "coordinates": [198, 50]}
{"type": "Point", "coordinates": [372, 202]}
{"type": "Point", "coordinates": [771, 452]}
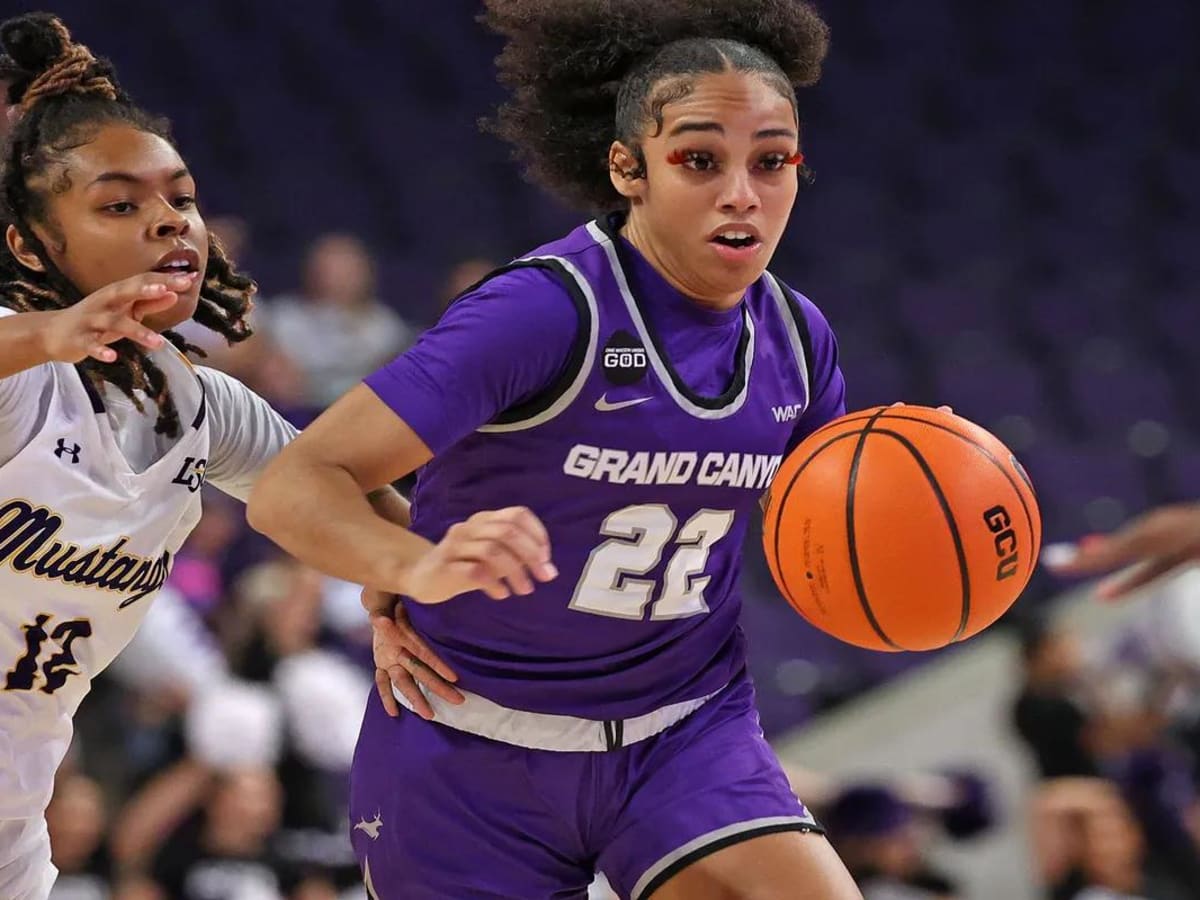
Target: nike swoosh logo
{"type": "Point", "coordinates": [603, 404]}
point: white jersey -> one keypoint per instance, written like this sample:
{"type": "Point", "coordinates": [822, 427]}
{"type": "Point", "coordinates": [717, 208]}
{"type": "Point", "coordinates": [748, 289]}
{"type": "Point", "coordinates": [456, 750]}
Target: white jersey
{"type": "Point", "coordinates": [93, 508]}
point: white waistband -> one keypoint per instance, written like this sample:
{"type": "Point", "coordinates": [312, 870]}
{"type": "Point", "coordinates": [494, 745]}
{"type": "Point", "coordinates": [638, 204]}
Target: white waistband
{"type": "Point", "coordinates": [545, 731]}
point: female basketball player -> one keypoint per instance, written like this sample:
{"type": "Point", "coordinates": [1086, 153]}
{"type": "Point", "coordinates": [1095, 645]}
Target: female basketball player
{"type": "Point", "coordinates": [106, 432]}
{"type": "Point", "coordinates": [624, 395]}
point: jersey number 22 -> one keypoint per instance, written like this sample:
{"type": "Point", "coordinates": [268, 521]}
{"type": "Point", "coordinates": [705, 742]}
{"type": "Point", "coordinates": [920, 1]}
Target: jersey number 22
{"type": "Point", "coordinates": [637, 538]}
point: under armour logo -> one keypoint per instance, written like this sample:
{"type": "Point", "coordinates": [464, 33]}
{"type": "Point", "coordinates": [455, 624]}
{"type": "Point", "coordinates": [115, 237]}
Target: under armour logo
{"type": "Point", "coordinates": [63, 449]}
{"type": "Point", "coordinates": [372, 828]}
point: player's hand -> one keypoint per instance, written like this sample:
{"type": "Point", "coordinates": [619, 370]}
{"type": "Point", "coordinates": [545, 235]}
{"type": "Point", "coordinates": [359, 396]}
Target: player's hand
{"type": "Point", "coordinates": [111, 314]}
{"type": "Point", "coordinates": [945, 409]}
{"type": "Point", "coordinates": [500, 552]}
{"type": "Point", "coordinates": [402, 658]}
{"type": "Point", "coordinates": [1155, 543]}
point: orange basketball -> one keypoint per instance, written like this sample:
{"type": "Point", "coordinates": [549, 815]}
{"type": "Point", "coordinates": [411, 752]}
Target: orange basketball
{"type": "Point", "coordinates": [901, 528]}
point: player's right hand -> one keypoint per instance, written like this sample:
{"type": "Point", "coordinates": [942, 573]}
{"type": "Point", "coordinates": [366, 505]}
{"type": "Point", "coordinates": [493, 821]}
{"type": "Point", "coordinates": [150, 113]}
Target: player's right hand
{"type": "Point", "coordinates": [111, 314]}
{"type": "Point", "coordinates": [500, 552]}
{"type": "Point", "coordinates": [1154, 544]}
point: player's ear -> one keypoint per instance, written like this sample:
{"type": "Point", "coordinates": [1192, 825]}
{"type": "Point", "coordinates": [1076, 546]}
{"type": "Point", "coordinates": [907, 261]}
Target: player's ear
{"type": "Point", "coordinates": [627, 171]}
{"type": "Point", "coordinates": [21, 251]}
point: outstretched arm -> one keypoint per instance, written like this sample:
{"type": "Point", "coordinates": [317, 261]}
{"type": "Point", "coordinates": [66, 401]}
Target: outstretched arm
{"type": "Point", "coordinates": [86, 329]}
{"type": "Point", "coordinates": [1160, 541]}
{"type": "Point", "coordinates": [312, 498]}
{"type": "Point", "coordinates": [312, 501]}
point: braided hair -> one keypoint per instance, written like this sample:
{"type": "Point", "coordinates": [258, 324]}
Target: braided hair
{"type": "Point", "coordinates": [583, 73]}
{"type": "Point", "coordinates": [62, 93]}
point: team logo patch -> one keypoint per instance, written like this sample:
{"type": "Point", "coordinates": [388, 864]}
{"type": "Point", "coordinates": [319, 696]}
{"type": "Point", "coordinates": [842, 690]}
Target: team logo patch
{"type": "Point", "coordinates": [624, 359]}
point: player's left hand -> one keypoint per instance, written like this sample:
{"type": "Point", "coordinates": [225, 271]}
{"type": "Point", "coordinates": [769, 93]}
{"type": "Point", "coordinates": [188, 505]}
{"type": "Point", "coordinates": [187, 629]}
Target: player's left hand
{"type": "Point", "coordinates": [402, 658]}
{"type": "Point", "coordinates": [1158, 542]}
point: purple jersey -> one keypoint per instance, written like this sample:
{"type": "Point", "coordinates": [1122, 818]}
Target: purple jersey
{"type": "Point", "coordinates": [642, 429]}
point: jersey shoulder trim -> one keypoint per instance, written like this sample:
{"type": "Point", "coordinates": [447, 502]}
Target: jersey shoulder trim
{"type": "Point", "coordinates": [556, 397]}
{"type": "Point", "coordinates": [797, 327]}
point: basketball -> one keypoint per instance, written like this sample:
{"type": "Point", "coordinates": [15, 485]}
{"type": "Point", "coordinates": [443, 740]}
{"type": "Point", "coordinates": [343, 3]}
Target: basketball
{"type": "Point", "coordinates": [901, 528]}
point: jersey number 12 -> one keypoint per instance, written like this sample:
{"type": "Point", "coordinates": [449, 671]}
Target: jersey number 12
{"type": "Point", "coordinates": [59, 666]}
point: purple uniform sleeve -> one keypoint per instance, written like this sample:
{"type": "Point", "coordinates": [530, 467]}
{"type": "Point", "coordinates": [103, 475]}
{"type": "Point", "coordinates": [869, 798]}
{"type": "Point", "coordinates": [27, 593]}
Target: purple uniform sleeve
{"type": "Point", "coordinates": [498, 346]}
{"type": "Point", "coordinates": [827, 389]}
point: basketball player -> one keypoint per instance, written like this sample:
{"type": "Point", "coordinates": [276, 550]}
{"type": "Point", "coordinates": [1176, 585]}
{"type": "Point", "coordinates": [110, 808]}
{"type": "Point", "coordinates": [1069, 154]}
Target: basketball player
{"type": "Point", "coordinates": [1156, 543]}
{"type": "Point", "coordinates": [622, 397]}
{"type": "Point", "coordinates": [106, 431]}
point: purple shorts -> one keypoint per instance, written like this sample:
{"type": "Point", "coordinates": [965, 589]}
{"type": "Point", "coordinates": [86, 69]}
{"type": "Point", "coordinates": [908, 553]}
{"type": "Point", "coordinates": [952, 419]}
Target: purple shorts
{"type": "Point", "coordinates": [440, 814]}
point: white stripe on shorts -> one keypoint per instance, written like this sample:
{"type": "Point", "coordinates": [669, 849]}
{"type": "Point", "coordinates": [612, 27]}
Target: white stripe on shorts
{"type": "Point", "coordinates": [711, 838]}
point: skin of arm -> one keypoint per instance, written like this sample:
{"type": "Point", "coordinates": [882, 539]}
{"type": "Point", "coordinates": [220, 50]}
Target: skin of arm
{"type": "Point", "coordinates": [354, 543]}
{"type": "Point", "coordinates": [22, 342]}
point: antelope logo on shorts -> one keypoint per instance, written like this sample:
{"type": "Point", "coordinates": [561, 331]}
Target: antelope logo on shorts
{"type": "Point", "coordinates": [1000, 525]}
{"type": "Point", "coordinates": [371, 829]}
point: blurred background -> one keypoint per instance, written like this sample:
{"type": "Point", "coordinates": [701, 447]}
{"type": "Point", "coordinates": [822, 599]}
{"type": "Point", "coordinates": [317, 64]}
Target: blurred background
{"type": "Point", "coordinates": [1006, 219]}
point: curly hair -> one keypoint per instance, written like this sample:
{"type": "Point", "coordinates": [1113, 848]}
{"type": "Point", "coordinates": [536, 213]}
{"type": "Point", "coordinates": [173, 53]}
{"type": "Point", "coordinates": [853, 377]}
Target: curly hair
{"type": "Point", "coordinates": [583, 73]}
{"type": "Point", "coordinates": [63, 95]}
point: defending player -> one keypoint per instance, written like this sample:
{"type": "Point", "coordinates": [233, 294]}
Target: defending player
{"type": "Point", "coordinates": [106, 431]}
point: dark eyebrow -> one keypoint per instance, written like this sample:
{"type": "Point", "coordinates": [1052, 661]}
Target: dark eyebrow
{"type": "Point", "coordinates": [129, 178]}
{"type": "Point", "coordinates": [684, 127]}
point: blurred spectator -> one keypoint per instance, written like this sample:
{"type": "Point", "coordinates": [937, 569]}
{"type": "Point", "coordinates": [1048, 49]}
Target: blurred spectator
{"type": "Point", "coordinates": [212, 825]}
{"type": "Point", "coordinates": [197, 573]}
{"type": "Point", "coordinates": [226, 851]}
{"type": "Point", "coordinates": [322, 694]}
{"type": "Point", "coordinates": [204, 828]}
{"type": "Point", "coordinates": [265, 368]}
{"type": "Point", "coordinates": [464, 275]}
{"type": "Point", "coordinates": [1049, 714]}
{"type": "Point", "coordinates": [138, 887]}
{"type": "Point", "coordinates": [883, 831]}
{"type": "Point", "coordinates": [1088, 846]}
{"type": "Point", "coordinates": [337, 331]}
{"type": "Point", "coordinates": [1151, 769]}
{"type": "Point", "coordinates": [132, 725]}
{"type": "Point", "coordinates": [77, 821]}
{"type": "Point", "coordinates": [1122, 731]}
{"type": "Point", "coordinates": [884, 845]}
{"type": "Point", "coordinates": [234, 234]}
{"type": "Point", "coordinates": [1164, 635]}
{"type": "Point", "coordinates": [280, 615]}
